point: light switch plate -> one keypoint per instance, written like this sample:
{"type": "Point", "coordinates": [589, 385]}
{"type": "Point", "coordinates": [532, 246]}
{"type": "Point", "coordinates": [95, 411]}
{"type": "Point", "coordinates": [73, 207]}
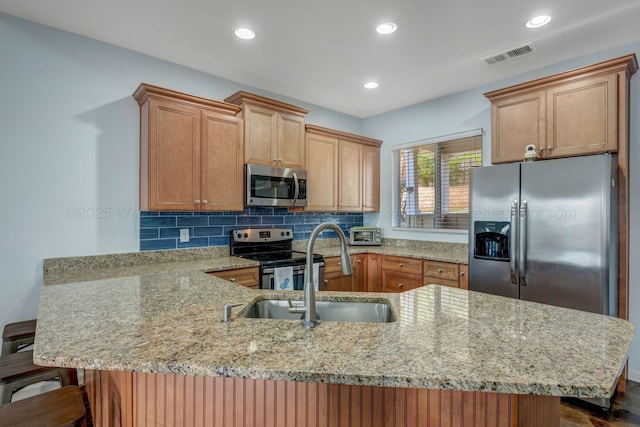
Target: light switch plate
{"type": "Point", "coordinates": [184, 235]}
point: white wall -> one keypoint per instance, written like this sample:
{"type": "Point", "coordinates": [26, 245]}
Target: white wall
{"type": "Point", "coordinates": [69, 132]}
{"type": "Point", "coordinates": [471, 110]}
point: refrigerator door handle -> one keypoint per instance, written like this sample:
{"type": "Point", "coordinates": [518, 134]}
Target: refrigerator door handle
{"type": "Point", "coordinates": [512, 243]}
{"type": "Point", "coordinates": [522, 253]}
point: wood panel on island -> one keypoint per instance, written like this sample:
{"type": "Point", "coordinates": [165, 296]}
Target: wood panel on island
{"type": "Point", "coordinates": [274, 131]}
{"type": "Point", "coordinates": [191, 152]}
{"type": "Point", "coordinates": [348, 168]}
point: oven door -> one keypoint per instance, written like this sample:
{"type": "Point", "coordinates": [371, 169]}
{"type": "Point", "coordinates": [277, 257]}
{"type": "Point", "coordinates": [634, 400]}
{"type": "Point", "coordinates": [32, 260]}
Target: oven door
{"type": "Point", "coordinates": [267, 277]}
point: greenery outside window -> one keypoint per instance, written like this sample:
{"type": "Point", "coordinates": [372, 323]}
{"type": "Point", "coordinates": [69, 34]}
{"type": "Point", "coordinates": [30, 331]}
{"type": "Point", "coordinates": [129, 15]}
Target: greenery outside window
{"type": "Point", "coordinates": [431, 181]}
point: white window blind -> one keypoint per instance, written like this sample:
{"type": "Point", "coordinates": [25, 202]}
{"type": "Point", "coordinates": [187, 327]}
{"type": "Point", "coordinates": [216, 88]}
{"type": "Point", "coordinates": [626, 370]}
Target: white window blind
{"type": "Point", "coordinates": [431, 181]}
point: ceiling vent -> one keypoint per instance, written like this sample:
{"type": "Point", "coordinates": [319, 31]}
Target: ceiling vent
{"type": "Point", "coordinates": [509, 54]}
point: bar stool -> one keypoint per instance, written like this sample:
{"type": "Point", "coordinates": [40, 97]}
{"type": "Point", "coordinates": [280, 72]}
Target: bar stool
{"type": "Point", "coordinates": [17, 335]}
{"type": "Point", "coordinates": [17, 370]}
{"type": "Point", "coordinates": [63, 407]}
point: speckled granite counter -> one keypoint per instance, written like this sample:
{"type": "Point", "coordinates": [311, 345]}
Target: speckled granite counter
{"type": "Point", "coordinates": [433, 251]}
{"type": "Point", "coordinates": [444, 338]}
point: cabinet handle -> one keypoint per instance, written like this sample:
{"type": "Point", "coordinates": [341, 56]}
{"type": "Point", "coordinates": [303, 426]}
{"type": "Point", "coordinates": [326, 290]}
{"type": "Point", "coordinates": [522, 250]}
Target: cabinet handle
{"type": "Point", "coordinates": [400, 265]}
{"type": "Point", "coordinates": [462, 273]}
{"type": "Point", "coordinates": [197, 201]}
{"type": "Point", "coordinates": [325, 281]}
{"type": "Point", "coordinates": [205, 201]}
{"type": "Point", "coordinates": [400, 285]}
{"type": "Point", "coordinates": [359, 260]}
{"type": "Point", "coordinates": [549, 148]}
{"type": "Point", "coordinates": [232, 279]}
{"type": "Point", "coordinates": [439, 270]}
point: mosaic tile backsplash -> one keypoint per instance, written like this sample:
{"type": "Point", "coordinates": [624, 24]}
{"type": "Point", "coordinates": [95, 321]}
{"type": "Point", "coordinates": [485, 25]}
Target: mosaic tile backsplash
{"type": "Point", "coordinates": [161, 230]}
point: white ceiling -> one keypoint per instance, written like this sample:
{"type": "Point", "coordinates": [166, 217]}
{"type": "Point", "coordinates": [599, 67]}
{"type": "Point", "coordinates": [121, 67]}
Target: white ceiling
{"type": "Point", "coordinates": [322, 52]}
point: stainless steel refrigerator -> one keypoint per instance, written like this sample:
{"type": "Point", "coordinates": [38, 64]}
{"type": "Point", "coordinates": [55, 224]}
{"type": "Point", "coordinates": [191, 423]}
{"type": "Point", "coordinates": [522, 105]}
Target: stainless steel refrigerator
{"type": "Point", "coordinates": [546, 231]}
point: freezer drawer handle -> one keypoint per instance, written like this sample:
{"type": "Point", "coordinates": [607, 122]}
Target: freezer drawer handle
{"type": "Point", "coordinates": [522, 253]}
{"type": "Point", "coordinates": [512, 243]}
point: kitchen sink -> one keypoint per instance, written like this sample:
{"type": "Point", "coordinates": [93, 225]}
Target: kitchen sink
{"type": "Point", "coordinates": [328, 311]}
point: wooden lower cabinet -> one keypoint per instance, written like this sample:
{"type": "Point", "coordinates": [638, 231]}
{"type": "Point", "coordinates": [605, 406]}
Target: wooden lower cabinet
{"type": "Point", "coordinates": [335, 280]}
{"type": "Point", "coordinates": [249, 277]}
{"type": "Point", "coordinates": [137, 399]}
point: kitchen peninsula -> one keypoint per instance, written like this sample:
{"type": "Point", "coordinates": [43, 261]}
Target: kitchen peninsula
{"type": "Point", "coordinates": [157, 353]}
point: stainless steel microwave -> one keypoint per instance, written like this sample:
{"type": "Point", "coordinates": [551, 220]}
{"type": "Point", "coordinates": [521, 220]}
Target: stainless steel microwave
{"type": "Point", "coordinates": [271, 186]}
{"type": "Point", "coordinates": [365, 236]}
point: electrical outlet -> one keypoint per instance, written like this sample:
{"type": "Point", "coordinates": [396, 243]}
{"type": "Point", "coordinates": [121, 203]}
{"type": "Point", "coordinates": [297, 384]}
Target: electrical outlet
{"type": "Point", "coordinates": [184, 235]}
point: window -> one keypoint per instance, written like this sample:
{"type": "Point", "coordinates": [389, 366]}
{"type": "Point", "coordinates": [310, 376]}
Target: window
{"type": "Point", "coordinates": [431, 181]}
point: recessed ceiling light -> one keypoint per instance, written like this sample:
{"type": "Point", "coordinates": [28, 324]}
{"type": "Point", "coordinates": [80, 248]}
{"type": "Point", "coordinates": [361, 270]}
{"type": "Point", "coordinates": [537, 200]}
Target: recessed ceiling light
{"type": "Point", "coordinates": [371, 85]}
{"type": "Point", "coordinates": [244, 33]}
{"type": "Point", "coordinates": [386, 28]}
{"type": "Point", "coordinates": [538, 21]}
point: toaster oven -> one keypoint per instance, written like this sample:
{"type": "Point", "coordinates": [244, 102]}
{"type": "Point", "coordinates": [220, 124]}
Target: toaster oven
{"type": "Point", "coordinates": [365, 236]}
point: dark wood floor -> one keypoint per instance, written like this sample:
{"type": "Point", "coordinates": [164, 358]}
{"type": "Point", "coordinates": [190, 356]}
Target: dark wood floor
{"type": "Point", "coordinates": [625, 411]}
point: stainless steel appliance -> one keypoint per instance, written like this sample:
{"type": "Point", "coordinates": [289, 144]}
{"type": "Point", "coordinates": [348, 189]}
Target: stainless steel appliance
{"type": "Point", "coordinates": [365, 236]}
{"type": "Point", "coordinates": [272, 247]}
{"type": "Point", "coordinates": [546, 231]}
{"type": "Point", "coordinates": [271, 186]}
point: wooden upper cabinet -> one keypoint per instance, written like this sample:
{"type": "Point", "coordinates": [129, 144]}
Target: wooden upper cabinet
{"type": "Point", "coordinates": [582, 117]}
{"type": "Point", "coordinates": [582, 111]}
{"type": "Point", "coordinates": [515, 123]}
{"type": "Point", "coordinates": [322, 173]}
{"type": "Point", "coordinates": [190, 152]}
{"type": "Point", "coordinates": [344, 171]}
{"type": "Point", "coordinates": [274, 131]}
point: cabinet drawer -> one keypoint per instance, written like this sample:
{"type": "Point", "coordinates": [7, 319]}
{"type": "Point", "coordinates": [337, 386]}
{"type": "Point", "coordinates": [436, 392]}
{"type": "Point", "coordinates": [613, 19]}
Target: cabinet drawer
{"type": "Point", "coordinates": [438, 281]}
{"type": "Point", "coordinates": [441, 270]}
{"type": "Point", "coordinates": [402, 264]}
{"type": "Point", "coordinates": [248, 277]}
{"type": "Point", "coordinates": [393, 281]}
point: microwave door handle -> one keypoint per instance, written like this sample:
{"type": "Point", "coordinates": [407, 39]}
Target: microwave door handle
{"type": "Point", "coordinates": [297, 188]}
{"type": "Point", "coordinates": [513, 243]}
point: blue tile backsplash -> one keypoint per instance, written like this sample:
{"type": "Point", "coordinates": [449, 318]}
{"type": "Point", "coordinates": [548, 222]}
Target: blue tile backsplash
{"type": "Point", "coordinates": [161, 230]}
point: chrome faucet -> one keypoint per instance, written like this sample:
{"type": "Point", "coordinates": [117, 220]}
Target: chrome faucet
{"type": "Point", "coordinates": [310, 319]}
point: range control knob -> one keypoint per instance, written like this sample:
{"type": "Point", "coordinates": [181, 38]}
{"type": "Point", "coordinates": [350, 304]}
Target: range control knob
{"type": "Point", "coordinates": [239, 236]}
{"type": "Point", "coordinates": [246, 235]}
{"type": "Point", "coordinates": [282, 233]}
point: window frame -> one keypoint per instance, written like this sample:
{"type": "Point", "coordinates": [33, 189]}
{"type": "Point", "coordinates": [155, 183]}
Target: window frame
{"type": "Point", "coordinates": [396, 180]}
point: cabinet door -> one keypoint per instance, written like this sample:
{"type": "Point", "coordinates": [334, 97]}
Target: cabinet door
{"type": "Point", "coordinates": [290, 143]}
{"type": "Point", "coordinates": [322, 170]}
{"type": "Point", "coordinates": [261, 134]}
{"type": "Point", "coordinates": [222, 162]}
{"type": "Point", "coordinates": [370, 179]}
{"type": "Point", "coordinates": [359, 278]}
{"type": "Point", "coordinates": [582, 117]}
{"type": "Point", "coordinates": [464, 276]}
{"type": "Point", "coordinates": [170, 157]}
{"type": "Point", "coordinates": [350, 177]}
{"type": "Point", "coordinates": [515, 123]}
{"type": "Point", "coordinates": [374, 272]}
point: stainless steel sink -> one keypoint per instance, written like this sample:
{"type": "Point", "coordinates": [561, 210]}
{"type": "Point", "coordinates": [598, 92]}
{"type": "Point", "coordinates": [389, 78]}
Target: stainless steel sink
{"type": "Point", "coordinates": [328, 311]}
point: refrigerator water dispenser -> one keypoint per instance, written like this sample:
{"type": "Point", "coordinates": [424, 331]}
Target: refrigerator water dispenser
{"type": "Point", "coordinates": [492, 240]}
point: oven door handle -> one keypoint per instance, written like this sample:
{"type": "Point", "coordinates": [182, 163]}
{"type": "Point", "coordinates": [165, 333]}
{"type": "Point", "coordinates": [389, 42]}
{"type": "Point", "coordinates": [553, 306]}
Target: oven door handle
{"type": "Point", "coordinates": [296, 191]}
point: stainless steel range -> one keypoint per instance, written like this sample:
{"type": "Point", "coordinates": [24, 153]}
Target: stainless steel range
{"type": "Point", "coordinates": [272, 247]}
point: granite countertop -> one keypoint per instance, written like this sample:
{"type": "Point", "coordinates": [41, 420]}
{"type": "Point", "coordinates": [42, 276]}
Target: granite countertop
{"type": "Point", "coordinates": [444, 338]}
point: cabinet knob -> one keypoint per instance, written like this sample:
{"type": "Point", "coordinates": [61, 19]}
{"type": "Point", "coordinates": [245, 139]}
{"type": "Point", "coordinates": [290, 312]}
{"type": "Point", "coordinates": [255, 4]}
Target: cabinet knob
{"type": "Point", "coordinates": [549, 148]}
{"type": "Point", "coordinates": [541, 149]}
{"type": "Point", "coordinates": [325, 281]}
{"type": "Point", "coordinates": [232, 279]}
{"type": "Point", "coordinates": [197, 201]}
{"type": "Point", "coordinates": [439, 270]}
{"type": "Point", "coordinates": [400, 285]}
{"type": "Point", "coordinates": [462, 273]}
{"type": "Point", "coordinates": [205, 201]}
{"type": "Point", "coordinates": [359, 260]}
{"type": "Point", "coordinates": [400, 265]}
